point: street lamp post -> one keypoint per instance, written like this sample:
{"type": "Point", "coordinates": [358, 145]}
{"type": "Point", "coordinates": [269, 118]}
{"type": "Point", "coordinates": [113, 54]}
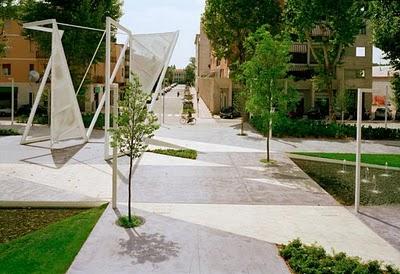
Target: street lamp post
{"type": "Point", "coordinates": [163, 106]}
{"type": "Point", "coordinates": [358, 151]}
{"type": "Point", "coordinates": [12, 100]}
{"type": "Point", "coordinates": [386, 106]}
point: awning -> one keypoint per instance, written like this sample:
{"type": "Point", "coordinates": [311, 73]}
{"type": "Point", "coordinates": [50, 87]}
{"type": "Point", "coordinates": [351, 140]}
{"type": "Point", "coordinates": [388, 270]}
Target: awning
{"type": "Point", "coordinates": [7, 89]}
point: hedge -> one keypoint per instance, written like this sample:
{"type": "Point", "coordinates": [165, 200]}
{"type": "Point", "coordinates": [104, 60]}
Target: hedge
{"type": "Point", "coordinates": [286, 127]}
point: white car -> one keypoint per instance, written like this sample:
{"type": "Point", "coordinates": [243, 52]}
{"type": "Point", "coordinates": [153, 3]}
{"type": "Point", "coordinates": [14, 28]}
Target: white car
{"type": "Point", "coordinates": [5, 111]}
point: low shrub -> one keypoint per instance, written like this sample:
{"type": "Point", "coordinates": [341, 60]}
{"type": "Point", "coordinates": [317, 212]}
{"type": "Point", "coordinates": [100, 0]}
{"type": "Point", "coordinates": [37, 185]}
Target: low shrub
{"type": "Point", "coordinates": [88, 117]}
{"type": "Point", "coordinates": [136, 221]}
{"type": "Point", "coordinates": [183, 153]}
{"type": "Point", "coordinates": [41, 119]}
{"type": "Point", "coordinates": [286, 127]}
{"type": "Point", "coordinates": [314, 259]}
{"type": "Point", "coordinates": [8, 132]}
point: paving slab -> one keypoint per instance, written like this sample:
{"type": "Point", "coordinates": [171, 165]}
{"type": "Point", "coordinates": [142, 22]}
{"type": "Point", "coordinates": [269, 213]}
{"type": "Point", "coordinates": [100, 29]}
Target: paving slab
{"type": "Point", "coordinates": [166, 245]}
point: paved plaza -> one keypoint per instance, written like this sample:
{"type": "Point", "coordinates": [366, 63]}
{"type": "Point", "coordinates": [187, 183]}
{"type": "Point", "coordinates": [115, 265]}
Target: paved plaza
{"type": "Point", "coordinates": [222, 213]}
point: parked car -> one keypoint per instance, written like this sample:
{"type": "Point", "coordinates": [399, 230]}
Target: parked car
{"type": "Point", "coordinates": [397, 116]}
{"type": "Point", "coordinates": [314, 114]}
{"type": "Point", "coordinates": [380, 114]}
{"type": "Point", "coordinates": [346, 115]}
{"type": "Point", "coordinates": [228, 113]}
{"type": "Point", "coordinates": [5, 111]}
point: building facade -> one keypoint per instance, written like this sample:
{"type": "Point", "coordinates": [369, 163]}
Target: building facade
{"type": "Point", "coordinates": [354, 71]}
{"type": "Point", "coordinates": [212, 76]}
{"type": "Point", "coordinates": [23, 56]}
{"type": "Point", "coordinates": [179, 76]}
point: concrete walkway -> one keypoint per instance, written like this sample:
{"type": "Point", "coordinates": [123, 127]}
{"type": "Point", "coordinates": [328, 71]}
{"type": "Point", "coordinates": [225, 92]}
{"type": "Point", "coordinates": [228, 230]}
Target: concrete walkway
{"type": "Point", "coordinates": [221, 213]}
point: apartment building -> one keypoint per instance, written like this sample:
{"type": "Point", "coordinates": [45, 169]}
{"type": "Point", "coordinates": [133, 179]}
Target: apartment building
{"type": "Point", "coordinates": [212, 76]}
{"type": "Point", "coordinates": [22, 56]}
{"type": "Point", "coordinates": [354, 71]}
{"type": "Point", "coordinates": [179, 76]}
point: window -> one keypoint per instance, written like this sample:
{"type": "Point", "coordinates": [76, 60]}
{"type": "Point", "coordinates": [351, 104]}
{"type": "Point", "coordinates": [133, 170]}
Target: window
{"type": "Point", "coordinates": [360, 51]}
{"type": "Point", "coordinates": [30, 98]}
{"type": "Point", "coordinates": [31, 67]}
{"type": "Point", "coordinates": [360, 73]}
{"type": "Point", "coordinates": [6, 68]}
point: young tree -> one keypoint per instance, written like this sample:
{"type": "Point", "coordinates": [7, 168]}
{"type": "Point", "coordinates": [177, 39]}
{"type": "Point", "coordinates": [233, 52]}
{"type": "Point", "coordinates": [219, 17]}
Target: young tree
{"type": "Point", "coordinates": [342, 103]}
{"type": "Point", "coordinates": [169, 75]}
{"type": "Point", "coordinates": [135, 125]}
{"type": "Point", "coordinates": [79, 44]}
{"type": "Point", "coordinates": [328, 26]}
{"type": "Point", "coordinates": [263, 75]}
{"type": "Point", "coordinates": [190, 72]}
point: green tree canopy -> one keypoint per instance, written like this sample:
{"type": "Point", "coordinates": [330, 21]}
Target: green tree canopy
{"type": "Point", "coordinates": [263, 76]}
{"type": "Point", "coordinates": [135, 125]}
{"type": "Point", "coordinates": [8, 10]}
{"type": "Point", "coordinates": [385, 18]}
{"type": "Point", "coordinates": [190, 72]}
{"type": "Point", "coordinates": [79, 45]}
{"type": "Point", "coordinates": [328, 26]}
{"type": "Point", "coordinates": [228, 24]}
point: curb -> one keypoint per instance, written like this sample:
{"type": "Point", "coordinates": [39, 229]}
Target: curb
{"type": "Point", "coordinates": [51, 204]}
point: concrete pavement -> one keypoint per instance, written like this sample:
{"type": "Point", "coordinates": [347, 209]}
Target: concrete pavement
{"type": "Point", "coordinates": [221, 213]}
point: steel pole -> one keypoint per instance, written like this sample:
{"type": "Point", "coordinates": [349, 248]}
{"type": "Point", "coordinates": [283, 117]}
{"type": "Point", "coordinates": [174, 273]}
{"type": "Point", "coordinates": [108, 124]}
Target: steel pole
{"type": "Point", "coordinates": [107, 84]}
{"type": "Point", "coordinates": [12, 101]}
{"type": "Point", "coordinates": [386, 106]}
{"type": "Point", "coordinates": [163, 107]}
{"type": "Point", "coordinates": [115, 152]}
{"type": "Point", "coordinates": [358, 151]}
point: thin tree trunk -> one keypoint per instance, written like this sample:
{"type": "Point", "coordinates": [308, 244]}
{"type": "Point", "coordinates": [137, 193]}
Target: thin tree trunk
{"type": "Point", "coordinates": [130, 188]}
{"type": "Point", "coordinates": [242, 126]}
{"type": "Point", "coordinates": [268, 148]}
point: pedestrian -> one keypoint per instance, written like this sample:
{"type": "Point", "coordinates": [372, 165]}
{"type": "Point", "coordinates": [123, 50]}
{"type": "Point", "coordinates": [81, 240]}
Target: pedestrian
{"type": "Point", "coordinates": [177, 94]}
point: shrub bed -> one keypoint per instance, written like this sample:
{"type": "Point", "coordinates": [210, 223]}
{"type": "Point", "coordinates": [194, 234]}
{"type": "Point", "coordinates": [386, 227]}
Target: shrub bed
{"type": "Point", "coordinates": [8, 132]}
{"type": "Point", "coordinates": [313, 259]}
{"type": "Point", "coordinates": [286, 127]}
{"type": "Point", "coordinates": [183, 153]}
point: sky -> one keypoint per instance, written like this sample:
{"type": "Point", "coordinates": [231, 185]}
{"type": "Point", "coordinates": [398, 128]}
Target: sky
{"type": "Point", "coordinates": [164, 16]}
{"type": "Point", "coordinates": [170, 15]}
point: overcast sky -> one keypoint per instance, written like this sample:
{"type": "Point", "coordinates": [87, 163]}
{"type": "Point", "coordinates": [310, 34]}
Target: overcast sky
{"type": "Point", "coordinates": [164, 16]}
{"type": "Point", "coordinates": [171, 15]}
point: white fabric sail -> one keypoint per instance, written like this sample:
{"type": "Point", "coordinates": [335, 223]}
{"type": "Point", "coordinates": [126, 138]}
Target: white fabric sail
{"type": "Point", "coordinates": [66, 119]}
{"type": "Point", "coordinates": [150, 53]}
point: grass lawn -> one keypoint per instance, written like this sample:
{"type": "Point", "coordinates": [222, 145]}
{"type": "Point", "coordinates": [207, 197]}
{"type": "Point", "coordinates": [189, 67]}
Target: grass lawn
{"type": "Point", "coordinates": [183, 153]}
{"type": "Point", "coordinates": [375, 159]}
{"type": "Point", "coordinates": [51, 249]}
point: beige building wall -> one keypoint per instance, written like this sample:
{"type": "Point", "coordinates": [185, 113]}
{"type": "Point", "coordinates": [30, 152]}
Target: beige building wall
{"type": "Point", "coordinates": [212, 76]}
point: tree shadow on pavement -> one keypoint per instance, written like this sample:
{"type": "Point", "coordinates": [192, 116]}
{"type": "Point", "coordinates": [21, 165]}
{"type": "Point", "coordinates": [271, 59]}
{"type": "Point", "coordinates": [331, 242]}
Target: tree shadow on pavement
{"type": "Point", "coordinates": [144, 247]}
{"type": "Point", "coordinates": [147, 247]}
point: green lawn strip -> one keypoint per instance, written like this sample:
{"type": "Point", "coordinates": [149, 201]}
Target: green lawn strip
{"type": "Point", "coordinates": [314, 259]}
{"type": "Point", "coordinates": [51, 249]}
{"type": "Point", "coordinates": [183, 153]}
{"type": "Point", "coordinates": [393, 160]}
{"type": "Point", "coordinates": [8, 132]}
